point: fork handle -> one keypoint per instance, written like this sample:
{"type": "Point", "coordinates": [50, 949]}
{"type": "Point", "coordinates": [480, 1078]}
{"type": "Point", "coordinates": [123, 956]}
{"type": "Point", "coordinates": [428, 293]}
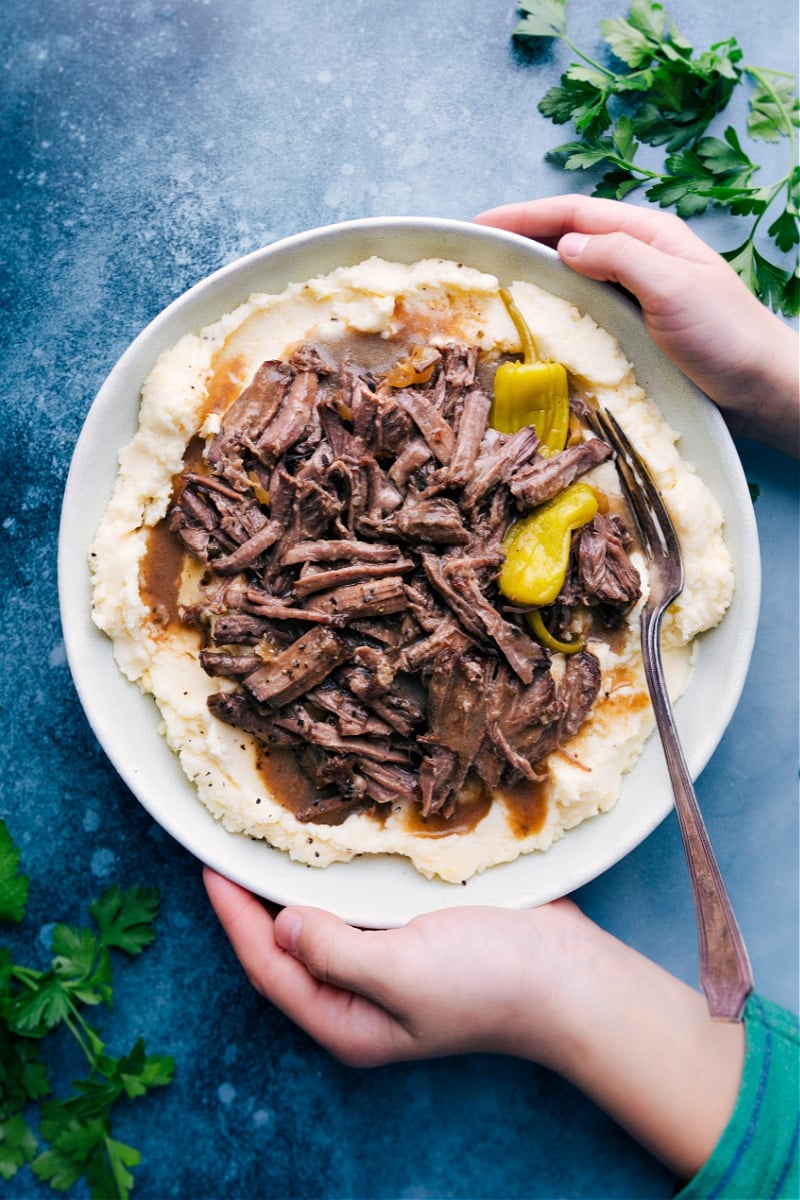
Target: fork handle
{"type": "Point", "coordinates": [725, 973]}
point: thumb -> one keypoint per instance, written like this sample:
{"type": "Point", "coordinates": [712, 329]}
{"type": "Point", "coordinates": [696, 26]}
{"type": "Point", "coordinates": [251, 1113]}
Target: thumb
{"type": "Point", "coordinates": [655, 278]}
{"type": "Point", "coordinates": [356, 960]}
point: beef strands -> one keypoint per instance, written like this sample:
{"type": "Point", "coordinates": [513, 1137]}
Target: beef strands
{"type": "Point", "coordinates": [351, 531]}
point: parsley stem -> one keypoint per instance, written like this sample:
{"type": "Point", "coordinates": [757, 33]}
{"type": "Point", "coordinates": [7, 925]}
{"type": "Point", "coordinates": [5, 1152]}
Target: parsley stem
{"type": "Point", "coordinates": [587, 59]}
{"type": "Point", "coordinates": [763, 78]}
{"type": "Point", "coordinates": [26, 975]}
{"type": "Point", "coordinates": [775, 191]}
{"type": "Point", "coordinates": [80, 1031]}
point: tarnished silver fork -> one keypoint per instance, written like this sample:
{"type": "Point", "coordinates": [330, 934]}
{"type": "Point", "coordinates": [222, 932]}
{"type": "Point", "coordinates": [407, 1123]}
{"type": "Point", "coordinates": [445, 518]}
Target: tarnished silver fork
{"type": "Point", "coordinates": [725, 973]}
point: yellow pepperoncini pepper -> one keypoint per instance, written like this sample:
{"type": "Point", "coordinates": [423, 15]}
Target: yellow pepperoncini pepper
{"type": "Point", "coordinates": [531, 392]}
{"type": "Point", "coordinates": [543, 635]}
{"type": "Point", "coordinates": [537, 547]}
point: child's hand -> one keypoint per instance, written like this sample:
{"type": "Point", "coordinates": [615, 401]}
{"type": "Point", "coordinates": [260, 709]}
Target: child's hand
{"type": "Point", "coordinates": [545, 984]}
{"type": "Point", "coordinates": [451, 981]}
{"type": "Point", "coordinates": [694, 305]}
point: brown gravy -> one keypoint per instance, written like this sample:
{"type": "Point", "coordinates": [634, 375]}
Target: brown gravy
{"type": "Point", "coordinates": [160, 575]}
{"type": "Point", "coordinates": [527, 805]}
{"type": "Point", "coordinates": [472, 807]}
{"type": "Point", "coordinates": [284, 779]}
{"type": "Point", "coordinates": [224, 385]}
{"type": "Point", "coordinates": [162, 565]}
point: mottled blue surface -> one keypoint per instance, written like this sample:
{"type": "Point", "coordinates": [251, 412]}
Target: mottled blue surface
{"type": "Point", "coordinates": [144, 144]}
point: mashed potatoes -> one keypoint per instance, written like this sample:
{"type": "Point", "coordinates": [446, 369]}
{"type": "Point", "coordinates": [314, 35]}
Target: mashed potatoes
{"type": "Point", "coordinates": [184, 399]}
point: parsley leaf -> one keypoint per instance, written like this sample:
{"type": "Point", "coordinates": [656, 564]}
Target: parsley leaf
{"type": "Point", "coordinates": [656, 90]}
{"type": "Point", "coordinates": [83, 1146]}
{"type": "Point", "coordinates": [579, 101]}
{"type": "Point", "coordinates": [77, 1131]}
{"type": "Point", "coordinates": [22, 1072]}
{"type": "Point", "coordinates": [724, 157]}
{"type": "Point", "coordinates": [125, 919]}
{"type": "Point", "coordinates": [637, 39]}
{"type": "Point", "coordinates": [39, 1008]}
{"type": "Point", "coordinates": [773, 106]}
{"type": "Point", "coordinates": [784, 231]}
{"type": "Point", "coordinates": [765, 278]}
{"type": "Point", "coordinates": [548, 18]}
{"type": "Point", "coordinates": [13, 886]}
{"type": "Point", "coordinates": [18, 1145]}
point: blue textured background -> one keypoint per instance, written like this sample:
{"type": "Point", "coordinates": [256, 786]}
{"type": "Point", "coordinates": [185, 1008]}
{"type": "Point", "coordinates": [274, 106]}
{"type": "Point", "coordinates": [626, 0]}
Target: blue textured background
{"type": "Point", "coordinates": [145, 144]}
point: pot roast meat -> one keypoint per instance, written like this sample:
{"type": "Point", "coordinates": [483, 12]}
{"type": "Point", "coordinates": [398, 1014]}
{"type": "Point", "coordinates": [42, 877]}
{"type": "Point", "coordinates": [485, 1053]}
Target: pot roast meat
{"type": "Point", "coordinates": [577, 690]}
{"type": "Point", "coordinates": [428, 518]}
{"type": "Point", "coordinates": [250, 552]}
{"type": "Point", "coordinates": [234, 709]}
{"type": "Point", "coordinates": [316, 581]}
{"type": "Point", "coordinates": [351, 532]}
{"type": "Point", "coordinates": [339, 550]}
{"type": "Point", "coordinates": [501, 457]}
{"type": "Point", "coordinates": [433, 426]}
{"type": "Point", "coordinates": [352, 718]}
{"type": "Point", "coordinates": [374, 597]}
{"type": "Point", "coordinates": [543, 478]}
{"type": "Point", "coordinates": [600, 576]}
{"type": "Point", "coordinates": [415, 454]}
{"type": "Point", "coordinates": [241, 629]}
{"type": "Point", "coordinates": [456, 723]}
{"type": "Point", "coordinates": [604, 574]}
{"type": "Point", "coordinates": [229, 665]}
{"type": "Point", "coordinates": [386, 783]}
{"type": "Point", "coordinates": [299, 667]}
{"type": "Point", "coordinates": [296, 718]}
{"type": "Point", "coordinates": [480, 618]}
{"type": "Point", "coordinates": [471, 428]}
{"type": "Point", "coordinates": [246, 420]}
{"type": "Point", "coordinates": [289, 421]}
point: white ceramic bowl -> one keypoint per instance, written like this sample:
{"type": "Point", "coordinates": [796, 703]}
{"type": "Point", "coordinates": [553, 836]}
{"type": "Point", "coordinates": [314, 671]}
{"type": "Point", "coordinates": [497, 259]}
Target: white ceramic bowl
{"type": "Point", "coordinates": [384, 891]}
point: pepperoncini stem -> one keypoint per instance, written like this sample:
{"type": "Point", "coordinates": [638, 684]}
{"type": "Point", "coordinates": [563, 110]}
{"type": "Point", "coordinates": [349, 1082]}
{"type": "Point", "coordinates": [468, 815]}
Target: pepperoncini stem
{"type": "Point", "coordinates": [537, 547]}
{"type": "Point", "coordinates": [531, 392]}
{"type": "Point", "coordinates": [543, 635]}
{"type": "Point", "coordinates": [529, 352]}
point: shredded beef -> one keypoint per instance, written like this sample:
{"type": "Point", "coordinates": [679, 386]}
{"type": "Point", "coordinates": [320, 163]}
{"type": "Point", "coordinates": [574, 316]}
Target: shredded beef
{"type": "Point", "coordinates": [543, 478]}
{"type": "Point", "coordinates": [351, 531]}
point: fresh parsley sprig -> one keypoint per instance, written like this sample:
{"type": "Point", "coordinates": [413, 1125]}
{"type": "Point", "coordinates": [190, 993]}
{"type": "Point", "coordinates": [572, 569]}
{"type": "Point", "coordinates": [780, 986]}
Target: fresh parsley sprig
{"type": "Point", "coordinates": [33, 1005]}
{"type": "Point", "coordinates": [658, 92]}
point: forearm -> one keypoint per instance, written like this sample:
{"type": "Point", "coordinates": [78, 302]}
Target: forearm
{"type": "Point", "coordinates": [640, 1043]}
{"type": "Point", "coordinates": [764, 403]}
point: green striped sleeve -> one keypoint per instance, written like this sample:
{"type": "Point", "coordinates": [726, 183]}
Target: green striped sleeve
{"type": "Point", "coordinates": [757, 1156]}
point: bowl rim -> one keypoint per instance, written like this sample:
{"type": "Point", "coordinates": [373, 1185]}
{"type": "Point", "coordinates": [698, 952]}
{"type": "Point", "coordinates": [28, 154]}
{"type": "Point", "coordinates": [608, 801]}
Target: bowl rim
{"type": "Point", "coordinates": [83, 640]}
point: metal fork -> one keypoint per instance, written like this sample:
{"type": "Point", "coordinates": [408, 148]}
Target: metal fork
{"type": "Point", "coordinates": [725, 973]}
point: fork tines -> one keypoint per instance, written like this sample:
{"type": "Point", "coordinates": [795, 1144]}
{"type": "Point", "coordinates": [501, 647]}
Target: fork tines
{"type": "Point", "coordinates": [644, 500]}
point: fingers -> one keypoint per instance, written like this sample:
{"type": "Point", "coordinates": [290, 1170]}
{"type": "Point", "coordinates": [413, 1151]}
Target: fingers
{"type": "Point", "coordinates": [286, 959]}
{"type": "Point", "coordinates": [272, 971]}
{"type": "Point", "coordinates": [658, 279]}
{"type": "Point", "coordinates": [351, 1027]}
{"type": "Point", "coordinates": [550, 218]}
{"type": "Point", "coordinates": [360, 961]}
{"type": "Point", "coordinates": [553, 216]}
{"type": "Point", "coordinates": [247, 924]}
{"type": "Point", "coordinates": [652, 254]}
{"type": "Point", "coordinates": [448, 982]}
